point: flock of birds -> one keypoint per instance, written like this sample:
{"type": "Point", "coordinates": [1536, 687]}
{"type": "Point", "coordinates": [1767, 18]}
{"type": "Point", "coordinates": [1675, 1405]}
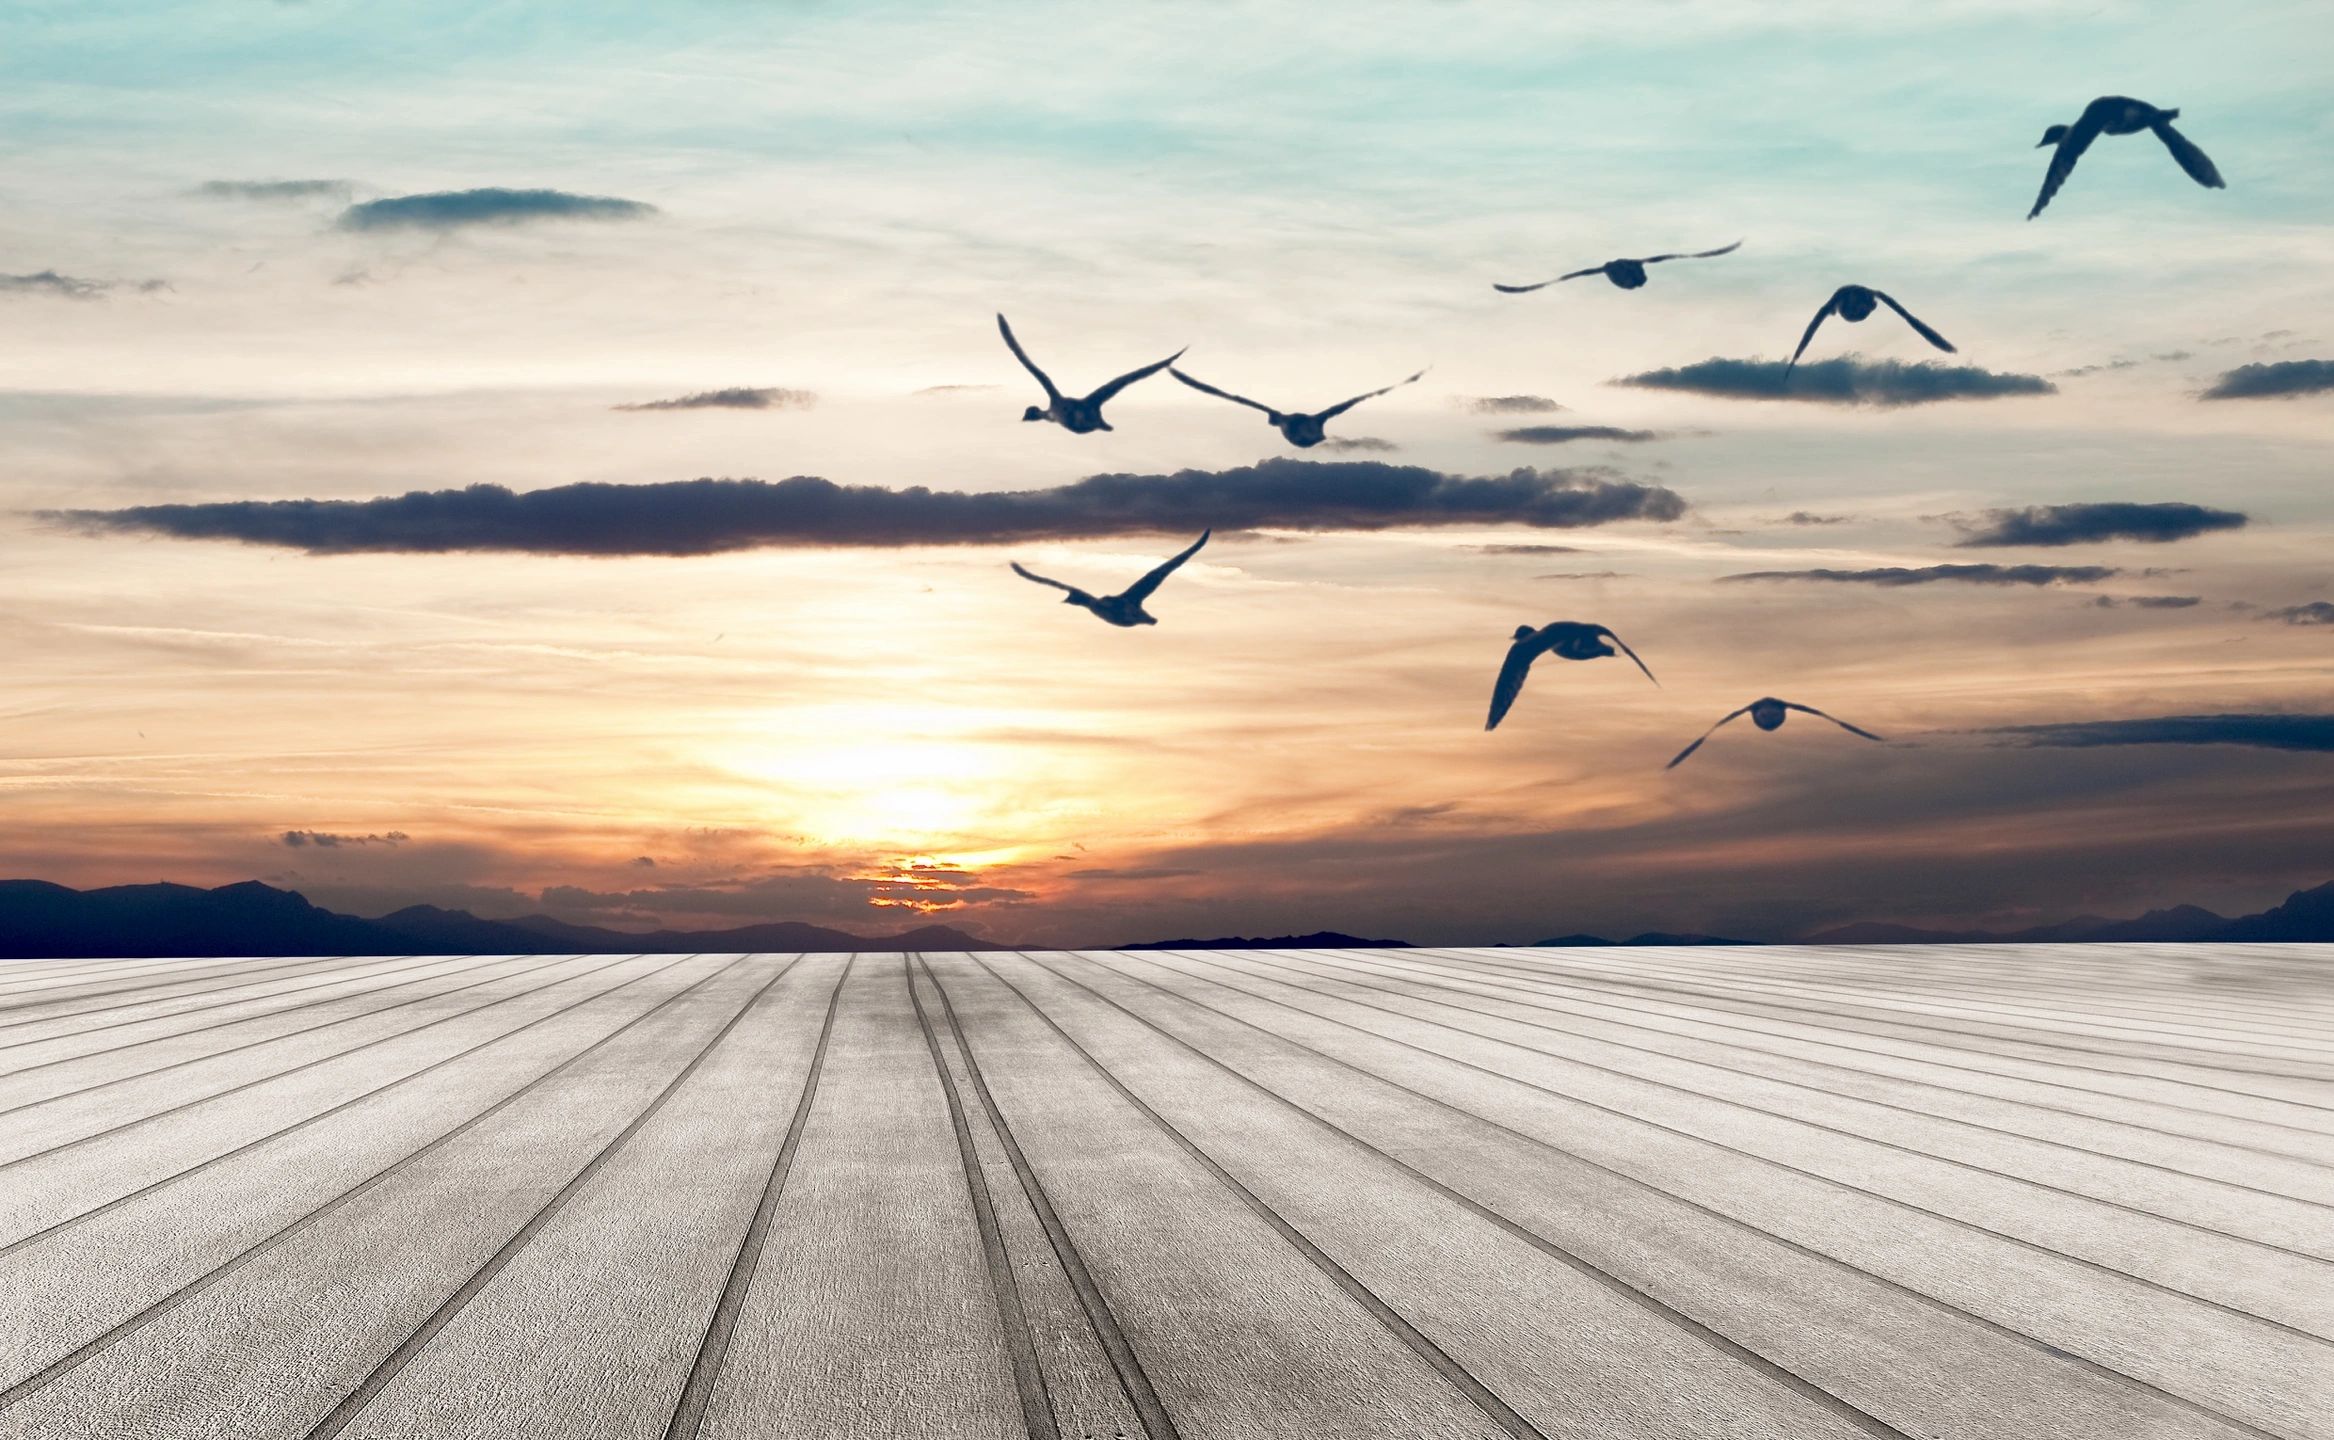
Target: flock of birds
{"type": "Point", "coordinates": [1572, 639]}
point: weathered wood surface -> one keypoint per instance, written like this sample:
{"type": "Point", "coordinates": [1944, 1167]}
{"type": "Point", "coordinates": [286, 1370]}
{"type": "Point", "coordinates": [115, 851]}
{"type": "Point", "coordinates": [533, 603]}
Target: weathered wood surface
{"type": "Point", "coordinates": [2042, 1191]}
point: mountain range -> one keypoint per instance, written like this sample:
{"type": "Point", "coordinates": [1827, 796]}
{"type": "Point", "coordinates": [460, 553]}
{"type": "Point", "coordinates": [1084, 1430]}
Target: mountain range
{"type": "Point", "coordinates": [46, 921]}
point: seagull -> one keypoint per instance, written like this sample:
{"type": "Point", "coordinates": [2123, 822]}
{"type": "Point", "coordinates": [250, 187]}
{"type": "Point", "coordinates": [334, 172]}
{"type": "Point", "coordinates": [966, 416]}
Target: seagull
{"type": "Point", "coordinates": [1567, 638]}
{"type": "Point", "coordinates": [1303, 431]}
{"type": "Point", "coordinates": [2119, 115]}
{"type": "Point", "coordinates": [1125, 608]}
{"type": "Point", "coordinates": [1079, 417]}
{"type": "Point", "coordinates": [1628, 274]}
{"type": "Point", "coordinates": [1852, 303]}
{"type": "Point", "coordinates": [1769, 714]}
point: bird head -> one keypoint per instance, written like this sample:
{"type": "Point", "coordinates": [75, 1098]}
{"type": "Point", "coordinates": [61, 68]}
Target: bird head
{"type": "Point", "coordinates": [1523, 632]}
{"type": "Point", "coordinates": [1033, 413]}
{"type": "Point", "coordinates": [2052, 136]}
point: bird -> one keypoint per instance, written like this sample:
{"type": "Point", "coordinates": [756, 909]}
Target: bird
{"type": "Point", "coordinates": [1078, 416]}
{"type": "Point", "coordinates": [1769, 714]}
{"type": "Point", "coordinates": [1852, 303]}
{"type": "Point", "coordinates": [2118, 115]}
{"type": "Point", "coordinates": [1570, 639]}
{"type": "Point", "coordinates": [1628, 274]}
{"type": "Point", "coordinates": [1303, 431]}
{"type": "Point", "coordinates": [1126, 607]}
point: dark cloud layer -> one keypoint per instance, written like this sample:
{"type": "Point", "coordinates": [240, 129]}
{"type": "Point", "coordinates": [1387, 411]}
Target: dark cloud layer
{"type": "Point", "coordinates": [2087, 523]}
{"type": "Point", "coordinates": [2316, 612]}
{"type": "Point", "coordinates": [2284, 377]}
{"type": "Point", "coordinates": [2148, 602]}
{"type": "Point", "coordinates": [2268, 732]}
{"type": "Point", "coordinates": [1962, 574]}
{"type": "Point", "coordinates": [274, 189]}
{"type": "Point", "coordinates": [1564, 434]}
{"type": "Point", "coordinates": [738, 398]}
{"type": "Point", "coordinates": [702, 517]}
{"type": "Point", "coordinates": [1845, 380]}
{"type": "Point", "coordinates": [453, 209]}
{"type": "Point", "coordinates": [1510, 404]}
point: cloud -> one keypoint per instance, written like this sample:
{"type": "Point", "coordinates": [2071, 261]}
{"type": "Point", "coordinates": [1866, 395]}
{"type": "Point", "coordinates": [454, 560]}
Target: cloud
{"type": "Point", "coordinates": [2088, 523]}
{"type": "Point", "coordinates": [1584, 575]}
{"type": "Point", "coordinates": [1525, 549]}
{"type": "Point", "coordinates": [1152, 873]}
{"type": "Point", "coordinates": [72, 287]}
{"type": "Point", "coordinates": [1564, 434]}
{"type": "Point", "coordinates": [1509, 404]}
{"type": "Point", "coordinates": [2123, 363]}
{"type": "Point", "coordinates": [953, 389]}
{"type": "Point", "coordinates": [2285, 377]}
{"type": "Point", "coordinates": [1893, 575]}
{"type": "Point", "coordinates": [2148, 602]}
{"type": "Point", "coordinates": [273, 190]}
{"type": "Point", "coordinates": [707, 516]}
{"type": "Point", "coordinates": [2316, 612]}
{"type": "Point", "coordinates": [1344, 446]}
{"type": "Point", "coordinates": [2267, 732]}
{"type": "Point", "coordinates": [453, 209]}
{"type": "Point", "coordinates": [1845, 380]}
{"type": "Point", "coordinates": [326, 840]}
{"type": "Point", "coordinates": [1807, 517]}
{"type": "Point", "coordinates": [644, 862]}
{"type": "Point", "coordinates": [734, 399]}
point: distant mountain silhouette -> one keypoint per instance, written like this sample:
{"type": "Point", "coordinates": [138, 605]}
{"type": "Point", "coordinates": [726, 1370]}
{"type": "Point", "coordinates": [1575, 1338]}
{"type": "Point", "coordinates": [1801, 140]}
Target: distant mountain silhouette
{"type": "Point", "coordinates": [2305, 915]}
{"type": "Point", "coordinates": [1318, 940]}
{"type": "Point", "coordinates": [39, 920]}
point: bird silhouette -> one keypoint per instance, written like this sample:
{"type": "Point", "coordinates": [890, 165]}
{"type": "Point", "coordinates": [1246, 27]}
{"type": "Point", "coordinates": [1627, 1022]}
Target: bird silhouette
{"type": "Point", "coordinates": [2118, 115]}
{"type": "Point", "coordinates": [1567, 639]}
{"type": "Point", "coordinates": [1303, 431]}
{"type": "Point", "coordinates": [1769, 714]}
{"type": "Point", "coordinates": [1079, 416]}
{"type": "Point", "coordinates": [1852, 303]}
{"type": "Point", "coordinates": [1628, 274]}
{"type": "Point", "coordinates": [1126, 607]}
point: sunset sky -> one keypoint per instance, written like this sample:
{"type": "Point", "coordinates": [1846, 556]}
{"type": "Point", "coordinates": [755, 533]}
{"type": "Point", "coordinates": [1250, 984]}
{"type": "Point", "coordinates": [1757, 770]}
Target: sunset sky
{"type": "Point", "coordinates": [204, 302]}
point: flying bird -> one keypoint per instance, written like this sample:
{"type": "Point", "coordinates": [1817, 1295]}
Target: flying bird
{"type": "Point", "coordinates": [2118, 115]}
{"type": "Point", "coordinates": [1303, 431]}
{"type": "Point", "coordinates": [1769, 714]}
{"type": "Point", "coordinates": [1126, 607]}
{"type": "Point", "coordinates": [1078, 416]}
{"type": "Point", "coordinates": [1852, 303]}
{"type": "Point", "coordinates": [1569, 639]}
{"type": "Point", "coordinates": [1628, 274]}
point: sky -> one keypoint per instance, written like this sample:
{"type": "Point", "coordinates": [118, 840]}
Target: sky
{"type": "Point", "coordinates": [224, 283]}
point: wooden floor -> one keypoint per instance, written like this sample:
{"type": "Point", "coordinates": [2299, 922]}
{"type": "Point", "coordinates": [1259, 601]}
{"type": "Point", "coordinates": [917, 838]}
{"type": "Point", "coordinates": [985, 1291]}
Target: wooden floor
{"type": "Point", "coordinates": [1791, 1193]}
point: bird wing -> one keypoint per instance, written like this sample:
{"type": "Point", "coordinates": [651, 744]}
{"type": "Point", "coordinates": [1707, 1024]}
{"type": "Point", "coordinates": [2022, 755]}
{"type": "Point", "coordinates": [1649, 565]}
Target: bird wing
{"type": "Point", "coordinates": [2194, 161]}
{"type": "Point", "coordinates": [1544, 284]}
{"type": "Point", "coordinates": [1023, 356]}
{"type": "Point", "coordinates": [1221, 394]}
{"type": "Point", "coordinates": [1617, 640]}
{"type": "Point", "coordinates": [1690, 749]}
{"type": "Point", "coordinates": [1141, 589]}
{"type": "Point", "coordinates": [1812, 326]}
{"type": "Point", "coordinates": [1336, 410]}
{"type": "Point", "coordinates": [1913, 320]}
{"type": "Point", "coordinates": [1836, 720]}
{"type": "Point", "coordinates": [1074, 591]}
{"type": "Point", "coordinates": [1129, 378]}
{"type": "Point", "coordinates": [1695, 255]}
{"type": "Point", "coordinates": [1510, 683]}
{"type": "Point", "coordinates": [2070, 149]}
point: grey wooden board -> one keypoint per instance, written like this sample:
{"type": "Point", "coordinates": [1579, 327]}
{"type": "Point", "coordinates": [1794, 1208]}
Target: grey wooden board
{"type": "Point", "coordinates": [2067, 1191]}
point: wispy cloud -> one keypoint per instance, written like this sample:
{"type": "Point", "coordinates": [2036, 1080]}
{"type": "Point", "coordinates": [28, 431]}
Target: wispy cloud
{"type": "Point", "coordinates": [732, 399]}
{"type": "Point", "coordinates": [1509, 404]}
{"type": "Point", "coordinates": [327, 840]}
{"type": "Point", "coordinates": [454, 209]}
{"type": "Point", "coordinates": [703, 517]}
{"type": "Point", "coordinates": [1894, 575]}
{"type": "Point", "coordinates": [73, 287]}
{"type": "Point", "coordinates": [2268, 732]}
{"type": "Point", "coordinates": [2085, 524]}
{"type": "Point", "coordinates": [1806, 517]}
{"type": "Point", "coordinates": [2316, 612]}
{"type": "Point", "coordinates": [1357, 444]}
{"type": "Point", "coordinates": [274, 190]}
{"type": "Point", "coordinates": [1565, 434]}
{"type": "Point", "coordinates": [2148, 602]}
{"type": "Point", "coordinates": [1525, 549]}
{"type": "Point", "coordinates": [1845, 380]}
{"type": "Point", "coordinates": [2281, 378]}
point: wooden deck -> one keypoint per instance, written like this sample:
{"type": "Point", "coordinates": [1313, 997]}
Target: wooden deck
{"type": "Point", "coordinates": [1943, 1192]}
